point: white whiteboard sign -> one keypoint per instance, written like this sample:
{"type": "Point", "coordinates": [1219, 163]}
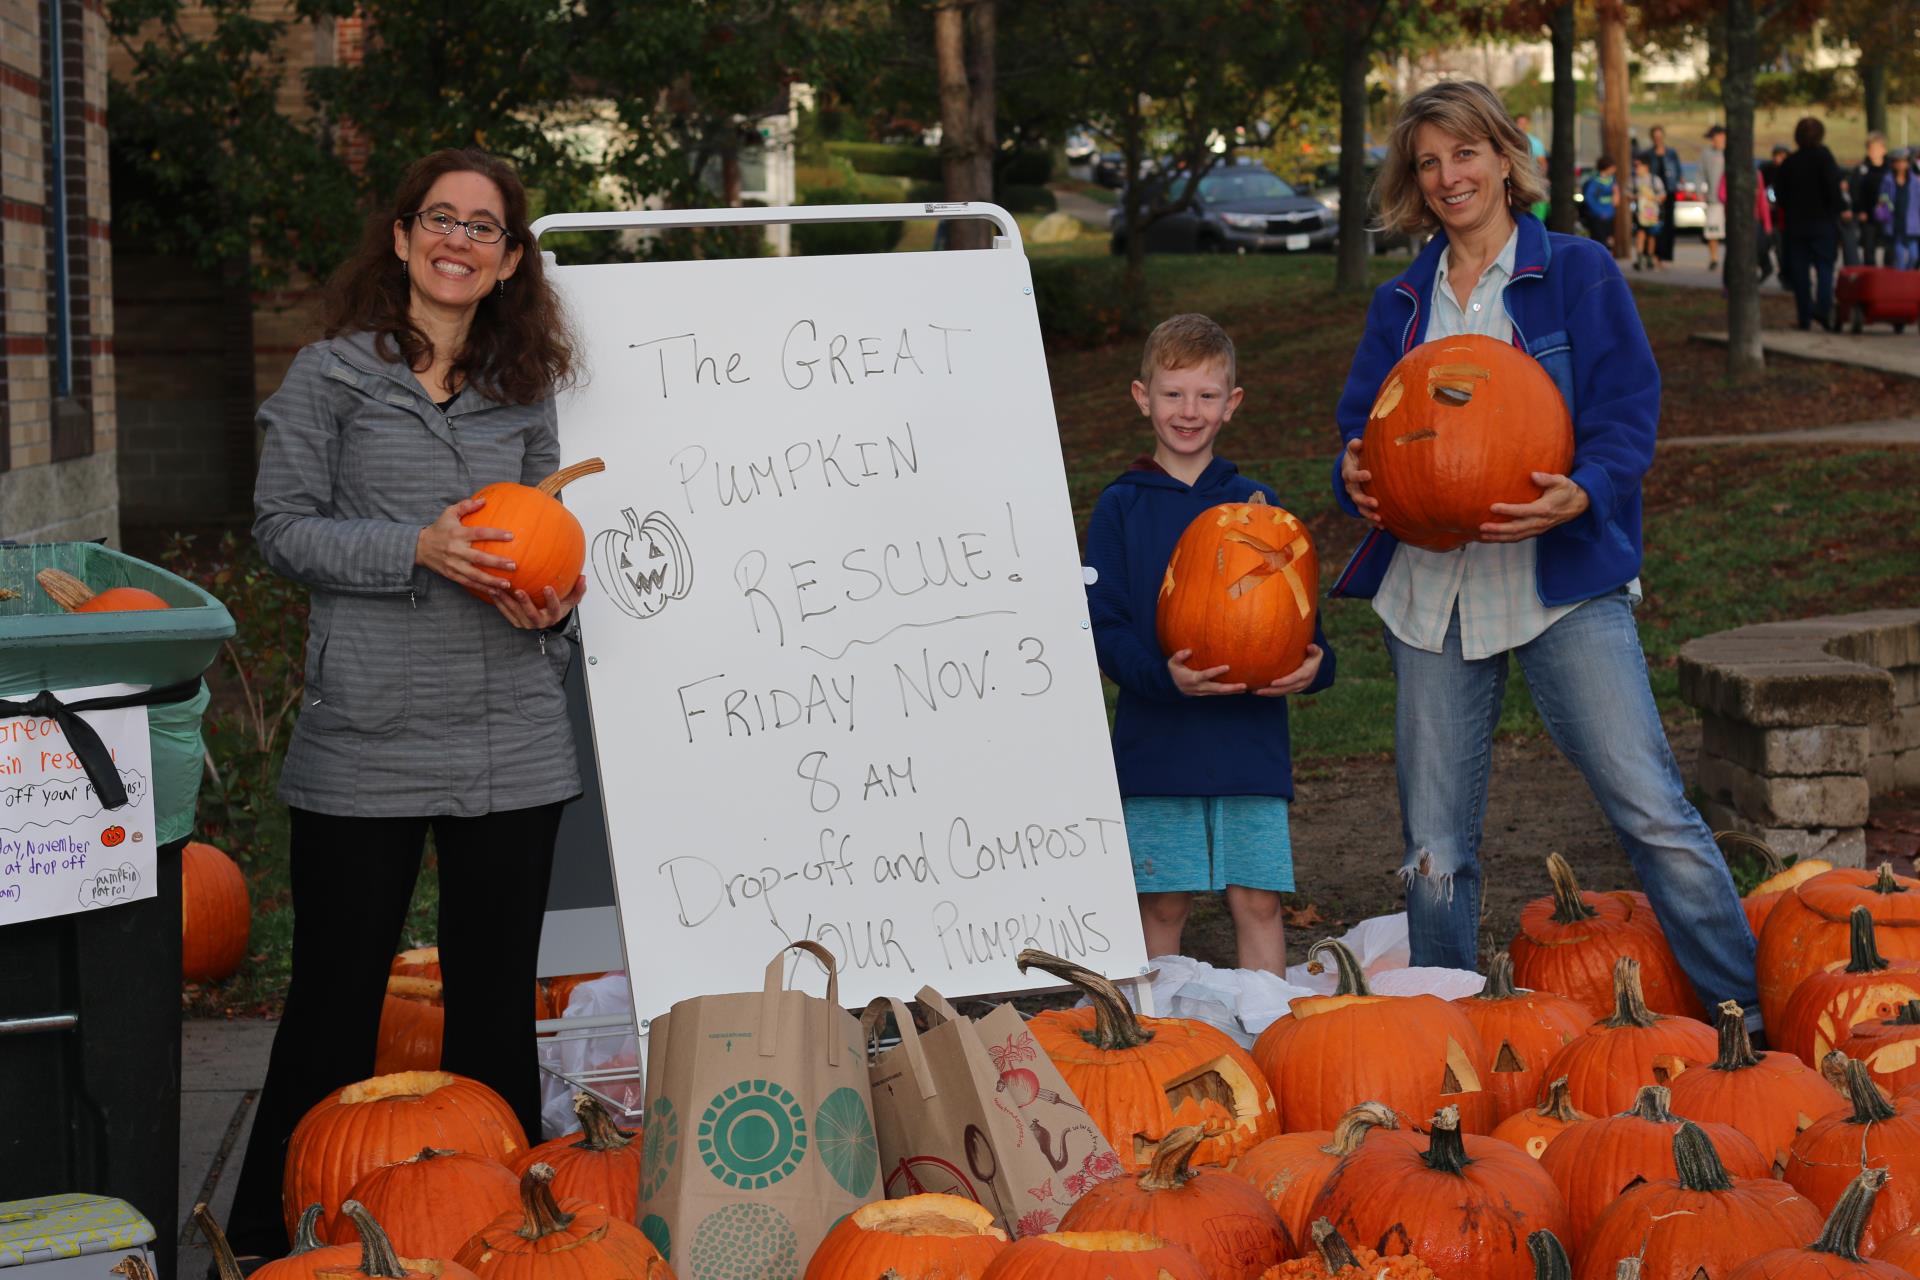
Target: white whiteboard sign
{"type": "Point", "coordinates": [841, 677]}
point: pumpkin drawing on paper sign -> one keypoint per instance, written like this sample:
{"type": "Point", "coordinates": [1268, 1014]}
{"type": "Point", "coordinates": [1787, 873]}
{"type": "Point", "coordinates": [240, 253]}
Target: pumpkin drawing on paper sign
{"type": "Point", "coordinates": [644, 566]}
{"type": "Point", "coordinates": [112, 836]}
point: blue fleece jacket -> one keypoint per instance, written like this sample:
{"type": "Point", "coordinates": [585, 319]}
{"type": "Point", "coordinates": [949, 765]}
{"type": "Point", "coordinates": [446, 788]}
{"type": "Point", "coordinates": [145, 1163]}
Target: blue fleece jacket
{"type": "Point", "coordinates": [1571, 311]}
{"type": "Point", "coordinates": [1164, 742]}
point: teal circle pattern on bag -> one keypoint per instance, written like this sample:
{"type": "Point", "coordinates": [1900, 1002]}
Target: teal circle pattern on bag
{"type": "Point", "coordinates": [753, 1134]}
{"type": "Point", "coordinates": [744, 1242]}
{"type": "Point", "coordinates": [844, 1132]}
{"type": "Point", "coordinates": [654, 1228]}
{"type": "Point", "coordinates": [659, 1145]}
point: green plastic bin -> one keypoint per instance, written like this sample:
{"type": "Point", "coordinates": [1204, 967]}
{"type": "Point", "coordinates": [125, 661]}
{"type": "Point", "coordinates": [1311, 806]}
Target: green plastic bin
{"type": "Point", "coordinates": [90, 1003]}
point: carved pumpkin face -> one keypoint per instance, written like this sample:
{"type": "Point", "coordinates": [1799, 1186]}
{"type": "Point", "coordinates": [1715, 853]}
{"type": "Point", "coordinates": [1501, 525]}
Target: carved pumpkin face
{"type": "Point", "coordinates": [1240, 589]}
{"type": "Point", "coordinates": [644, 566]}
{"type": "Point", "coordinates": [1460, 424]}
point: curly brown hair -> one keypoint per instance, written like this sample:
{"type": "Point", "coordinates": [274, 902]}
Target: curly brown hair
{"type": "Point", "coordinates": [519, 349]}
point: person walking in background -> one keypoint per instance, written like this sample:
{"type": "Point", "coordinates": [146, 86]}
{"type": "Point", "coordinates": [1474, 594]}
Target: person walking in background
{"type": "Point", "coordinates": [1771, 258]}
{"type": "Point", "coordinates": [1864, 186]}
{"type": "Point", "coordinates": [1665, 164]}
{"type": "Point", "coordinates": [1897, 214]}
{"type": "Point", "coordinates": [1762, 228]}
{"type": "Point", "coordinates": [1649, 197]}
{"type": "Point", "coordinates": [1713, 172]}
{"type": "Point", "coordinates": [1596, 199]}
{"type": "Point", "coordinates": [1809, 187]}
{"type": "Point", "coordinates": [1538, 150]}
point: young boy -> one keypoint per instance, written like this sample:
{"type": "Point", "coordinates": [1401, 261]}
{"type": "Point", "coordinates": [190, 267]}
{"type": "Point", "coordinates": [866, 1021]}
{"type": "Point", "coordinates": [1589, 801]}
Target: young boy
{"type": "Point", "coordinates": [1649, 194]}
{"type": "Point", "coordinates": [1205, 771]}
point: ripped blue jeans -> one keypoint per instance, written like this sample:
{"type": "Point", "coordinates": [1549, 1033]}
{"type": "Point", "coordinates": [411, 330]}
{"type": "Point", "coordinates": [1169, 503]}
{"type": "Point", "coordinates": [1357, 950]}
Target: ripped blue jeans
{"type": "Point", "coordinates": [1589, 682]}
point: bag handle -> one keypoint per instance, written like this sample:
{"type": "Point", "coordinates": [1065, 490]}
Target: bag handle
{"type": "Point", "coordinates": [937, 1003]}
{"type": "Point", "coordinates": [770, 1007]}
{"type": "Point", "coordinates": [870, 1019]}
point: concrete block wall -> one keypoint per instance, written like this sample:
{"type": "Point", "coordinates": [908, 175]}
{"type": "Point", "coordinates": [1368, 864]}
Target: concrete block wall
{"type": "Point", "coordinates": [1803, 723]}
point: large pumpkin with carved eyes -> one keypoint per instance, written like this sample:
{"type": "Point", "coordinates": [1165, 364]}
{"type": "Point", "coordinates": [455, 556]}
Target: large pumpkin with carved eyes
{"type": "Point", "coordinates": [1240, 590]}
{"type": "Point", "coordinates": [1460, 424]}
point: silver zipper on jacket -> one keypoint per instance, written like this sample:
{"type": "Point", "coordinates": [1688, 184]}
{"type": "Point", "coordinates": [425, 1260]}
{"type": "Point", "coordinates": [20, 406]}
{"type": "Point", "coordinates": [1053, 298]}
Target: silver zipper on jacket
{"type": "Point", "coordinates": [412, 601]}
{"type": "Point", "coordinates": [543, 644]}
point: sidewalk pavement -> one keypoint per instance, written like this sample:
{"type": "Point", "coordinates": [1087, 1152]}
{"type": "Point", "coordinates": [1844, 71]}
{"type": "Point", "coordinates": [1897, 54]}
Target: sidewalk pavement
{"type": "Point", "coordinates": [1878, 348]}
{"type": "Point", "coordinates": [222, 1066]}
{"type": "Point", "coordinates": [1900, 431]}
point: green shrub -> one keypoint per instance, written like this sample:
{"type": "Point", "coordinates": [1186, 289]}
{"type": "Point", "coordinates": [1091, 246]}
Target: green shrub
{"type": "Point", "coordinates": [888, 158]}
{"type": "Point", "coordinates": [1082, 301]}
{"type": "Point", "coordinates": [814, 239]}
{"type": "Point", "coordinates": [1025, 199]}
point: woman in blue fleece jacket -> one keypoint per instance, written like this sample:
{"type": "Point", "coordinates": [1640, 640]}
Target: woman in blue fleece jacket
{"type": "Point", "coordinates": [1203, 762]}
{"type": "Point", "coordinates": [1552, 582]}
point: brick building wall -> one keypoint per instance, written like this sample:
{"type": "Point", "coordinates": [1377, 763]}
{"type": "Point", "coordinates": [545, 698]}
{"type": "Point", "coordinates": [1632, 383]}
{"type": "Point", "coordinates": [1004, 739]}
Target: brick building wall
{"type": "Point", "coordinates": [58, 434]}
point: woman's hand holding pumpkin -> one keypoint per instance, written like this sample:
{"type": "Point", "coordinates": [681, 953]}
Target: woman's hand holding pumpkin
{"type": "Point", "coordinates": [1353, 476]}
{"type": "Point", "coordinates": [1297, 679]}
{"type": "Point", "coordinates": [1199, 684]}
{"type": "Point", "coordinates": [520, 609]}
{"type": "Point", "coordinates": [446, 547]}
{"type": "Point", "coordinates": [1561, 500]}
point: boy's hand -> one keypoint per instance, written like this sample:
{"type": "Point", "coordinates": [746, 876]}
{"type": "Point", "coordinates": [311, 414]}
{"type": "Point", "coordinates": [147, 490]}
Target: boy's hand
{"type": "Point", "coordinates": [1353, 476]}
{"type": "Point", "coordinates": [1199, 684]}
{"type": "Point", "coordinates": [1298, 679]}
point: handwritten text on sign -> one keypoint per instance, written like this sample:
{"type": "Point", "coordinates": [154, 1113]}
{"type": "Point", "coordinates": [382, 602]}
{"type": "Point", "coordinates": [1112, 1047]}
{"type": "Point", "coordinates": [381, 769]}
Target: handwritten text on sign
{"type": "Point", "coordinates": [61, 849]}
{"type": "Point", "coordinates": [841, 678]}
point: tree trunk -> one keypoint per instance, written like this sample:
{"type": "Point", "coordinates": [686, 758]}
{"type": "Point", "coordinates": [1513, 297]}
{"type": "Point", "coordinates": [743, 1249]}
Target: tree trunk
{"type": "Point", "coordinates": [1613, 122]}
{"type": "Point", "coordinates": [1566, 120]}
{"type": "Point", "coordinates": [1350, 271]}
{"type": "Point", "coordinates": [1134, 282]}
{"type": "Point", "coordinates": [730, 174]}
{"type": "Point", "coordinates": [1873, 80]}
{"type": "Point", "coordinates": [956, 116]}
{"type": "Point", "coordinates": [1744, 356]}
{"type": "Point", "coordinates": [980, 83]}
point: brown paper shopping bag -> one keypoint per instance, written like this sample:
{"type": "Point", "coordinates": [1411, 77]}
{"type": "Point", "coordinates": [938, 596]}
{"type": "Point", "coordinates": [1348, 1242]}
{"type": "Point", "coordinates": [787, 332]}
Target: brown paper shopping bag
{"type": "Point", "coordinates": [758, 1131]}
{"type": "Point", "coordinates": [976, 1109]}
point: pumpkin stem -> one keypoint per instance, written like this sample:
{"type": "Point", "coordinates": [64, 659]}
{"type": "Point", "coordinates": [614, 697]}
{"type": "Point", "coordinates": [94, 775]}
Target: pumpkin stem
{"type": "Point", "coordinates": [1841, 1235]}
{"type": "Point", "coordinates": [377, 1254]}
{"type": "Point", "coordinates": [1736, 1046]}
{"type": "Point", "coordinates": [543, 1216]}
{"type": "Point", "coordinates": [1446, 1150]}
{"type": "Point", "coordinates": [1549, 1257]}
{"type": "Point", "coordinates": [1353, 1127]}
{"type": "Point", "coordinates": [1353, 979]}
{"type": "Point", "coordinates": [1558, 1106]}
{"type": "Point", "coordinates": [1863, 948]}
{"type": "Point", "coordinates": [1698, 1163]}
{"type": "Point", "coordinates": [1257, 499]}
{"type": "Point", "coordinates": [1169, 1170]}
{"type": "Point", "coordinates": [1769, 860]}
{"type": "Point", "coordinates": [1886, 881]}
{"type": "Point", "coordinates": [1114, 1023]}
{"type": "Point", "coordinates": [1499, 984]}
{"type": "Point", "coordinates": [1909, 1015]}
{"type": "Point", "coordinates": [565, 476]}
{"type": "Point", "coordinates": [216, 1239]}
{"type": "Point", "coordinates": [1334, 1249]}
{"type": "Point", "coordinates": [1869, 1103]}
{"type": "Point", "coordinates": [306, 1233]}
{"type": "Point", "coordinates": [1833, 1069]}
{"type": "Point", "coordinates": [1627, 1269]}
{"type": "Point", "coordinates": [65, 590]}
{"type": "Point", "coordinates": [1629, 1002]}
{"type": "Point", "coordinates": [133, 1267]}
{"type": "Point", "coordinates": [599, 1132]}
{"type": "Point", "coordinates": [1653, 1103]}
{"type": "Point", "coordinates": [1568, 906]}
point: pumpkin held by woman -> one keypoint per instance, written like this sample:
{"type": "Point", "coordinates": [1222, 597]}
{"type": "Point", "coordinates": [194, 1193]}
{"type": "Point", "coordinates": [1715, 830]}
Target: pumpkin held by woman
{"type": "Point", "coordinates": [549, 547]}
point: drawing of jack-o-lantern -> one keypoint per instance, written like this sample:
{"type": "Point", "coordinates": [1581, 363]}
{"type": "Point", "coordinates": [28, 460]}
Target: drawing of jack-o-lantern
{"type": "Point", "coordinates": [644, 566]}
{"type": "Point", "coordinates": [112, 836]}
{"type": "Point", "coordinates": [1460, 424]}
{"type": "Point", "coordinates": [1241, 589]}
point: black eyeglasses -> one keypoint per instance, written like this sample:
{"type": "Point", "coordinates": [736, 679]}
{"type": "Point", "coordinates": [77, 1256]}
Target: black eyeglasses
{"type": "Point", "coordinates": [480, 231]}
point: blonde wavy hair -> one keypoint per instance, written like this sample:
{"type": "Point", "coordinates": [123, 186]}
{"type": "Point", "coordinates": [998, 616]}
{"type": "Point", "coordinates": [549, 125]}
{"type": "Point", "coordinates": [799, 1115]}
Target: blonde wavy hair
{"type": "Point", "coordinates": [1468, 110]}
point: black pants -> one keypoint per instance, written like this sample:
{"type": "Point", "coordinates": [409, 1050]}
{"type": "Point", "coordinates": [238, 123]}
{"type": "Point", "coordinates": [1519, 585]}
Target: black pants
{"type": "Point", "coordinates": [1811, 250]}
{"type": "Point", "coordinates": [352, 881]}
{"type": "Point", "coordinates": [1663, 241]}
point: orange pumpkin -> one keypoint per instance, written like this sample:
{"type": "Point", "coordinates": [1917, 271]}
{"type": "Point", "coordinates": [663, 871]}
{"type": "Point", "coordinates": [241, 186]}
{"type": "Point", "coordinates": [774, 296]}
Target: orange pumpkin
{"type": "Point", "coordinates": [549, 547]}
{"type": "Point", "coordinates": [412, 1025]}
{"type": "Point", "coordinates": [1223, 1222]}
{"type": "Point", "coordinates": [1770, 1096]}
{"type": "Point", "coordinates": [1811, 928]}
{"type": "Point", "coordinates": [1240, 590]}
{"type": "Point", "coordinates": [361, 1126]}
{"type": "Point", "coordinates": [1460, 424]}
{"type": "Point", "coordinates": [1828, 1004]}
{"type": "Point", "coordinates": [1606, 1066]}
{"type": "Point", "coordinates": [1569, 940]}
{"type": "Point", "coordinates": [1759, 900]}
{"type": "Point", "coordinates": [1593, 1163]}
{"type": "Point", "coordinates": [75, 596]}
{"type": "Point", "coordinates": [215, 915]}
{"type": "Point", "coordinates": [560, 990]}
{"type": "Point", "coordinates": [1521, 1030]}
{"type": "Point", "coordinates": [1902, 1249]}
{"type": "Point", "coordinates": [923, 1237]}
{"type": "Point", "coordinates": [1465, 1204]}
{"type": "Point", "coordinates": [417, 962]}
{"type": "Point", "coordinates": [600, 1163]}
{"type": "Point", "coordinates": [1437, 1058]}
{"type": "Point", "coordinates": [1290, 1170]}
{"type": "Point", "coordinates": [303, 1262]}
{"type": "Point", "coordinates": [1332, 1258]}
{"type": "Point", "coordinates": [1700, 1222]}
{"type": "Point", "coordinates": [1142, 1078]}
{"type": "Point", "coordinates": [1836, 1254]}
{"type": "Point", "coordinates": [1092, 1255]}
{"type": "Point", "coordinates": [1890, 1047]}
{"type": "Point", "coordinates": [1873, 1132]}
{"type": "Point", "coordinates": [435, 1201]}
{"type": "Point", "coordinates": [112, 836]}
{"type": "Point", "coordinates": [544, 1239]}
{"type": "Point", "coordinates": [1533, 1131]}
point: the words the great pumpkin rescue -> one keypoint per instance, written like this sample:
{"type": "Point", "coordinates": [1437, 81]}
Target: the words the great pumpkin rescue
{"type": "Point", "coordinates": [854, 697]}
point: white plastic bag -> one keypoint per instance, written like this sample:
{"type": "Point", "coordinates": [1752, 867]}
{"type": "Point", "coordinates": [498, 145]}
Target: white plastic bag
{"type": "Point", "coordinates": [609, 1049]}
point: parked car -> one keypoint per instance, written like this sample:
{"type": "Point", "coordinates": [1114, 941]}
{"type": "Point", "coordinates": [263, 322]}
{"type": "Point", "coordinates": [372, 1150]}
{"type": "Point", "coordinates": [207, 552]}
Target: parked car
{"type": "Point", "coordinates": [1689, 202]}
{"type": "Point", "coordinates": [1080, 147]}
{"type": "Point", "coordinates": [1110, 169]}
{"type": "Point", "coordinates": [1239, 208]}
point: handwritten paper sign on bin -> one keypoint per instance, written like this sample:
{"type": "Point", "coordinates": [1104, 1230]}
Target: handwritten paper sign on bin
{"type": "Point", "coordinates": [839, 666]}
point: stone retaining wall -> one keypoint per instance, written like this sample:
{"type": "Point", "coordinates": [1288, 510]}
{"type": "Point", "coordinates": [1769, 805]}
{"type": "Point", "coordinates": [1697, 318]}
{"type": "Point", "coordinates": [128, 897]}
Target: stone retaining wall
{"type": "Point", "coordinates": [1802, 722]}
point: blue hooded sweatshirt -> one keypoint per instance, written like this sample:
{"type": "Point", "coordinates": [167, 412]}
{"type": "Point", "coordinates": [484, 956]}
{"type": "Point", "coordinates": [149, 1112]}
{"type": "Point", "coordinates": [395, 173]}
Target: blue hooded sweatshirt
{"type": "Point", "coordinates": [1165, 743]}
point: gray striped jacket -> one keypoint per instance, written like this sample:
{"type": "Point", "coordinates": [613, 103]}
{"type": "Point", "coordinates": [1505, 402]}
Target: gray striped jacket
{"type": "Point", "coordinates": [420, 699]}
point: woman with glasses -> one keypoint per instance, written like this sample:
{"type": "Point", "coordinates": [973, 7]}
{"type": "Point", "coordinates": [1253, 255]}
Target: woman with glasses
{"type": "Point", "coordinates": [433, 694]}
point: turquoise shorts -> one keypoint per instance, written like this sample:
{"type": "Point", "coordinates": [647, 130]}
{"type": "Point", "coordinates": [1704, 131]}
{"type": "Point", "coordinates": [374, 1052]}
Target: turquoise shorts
{"type": "Point", "coordinates": [1183, 844]}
